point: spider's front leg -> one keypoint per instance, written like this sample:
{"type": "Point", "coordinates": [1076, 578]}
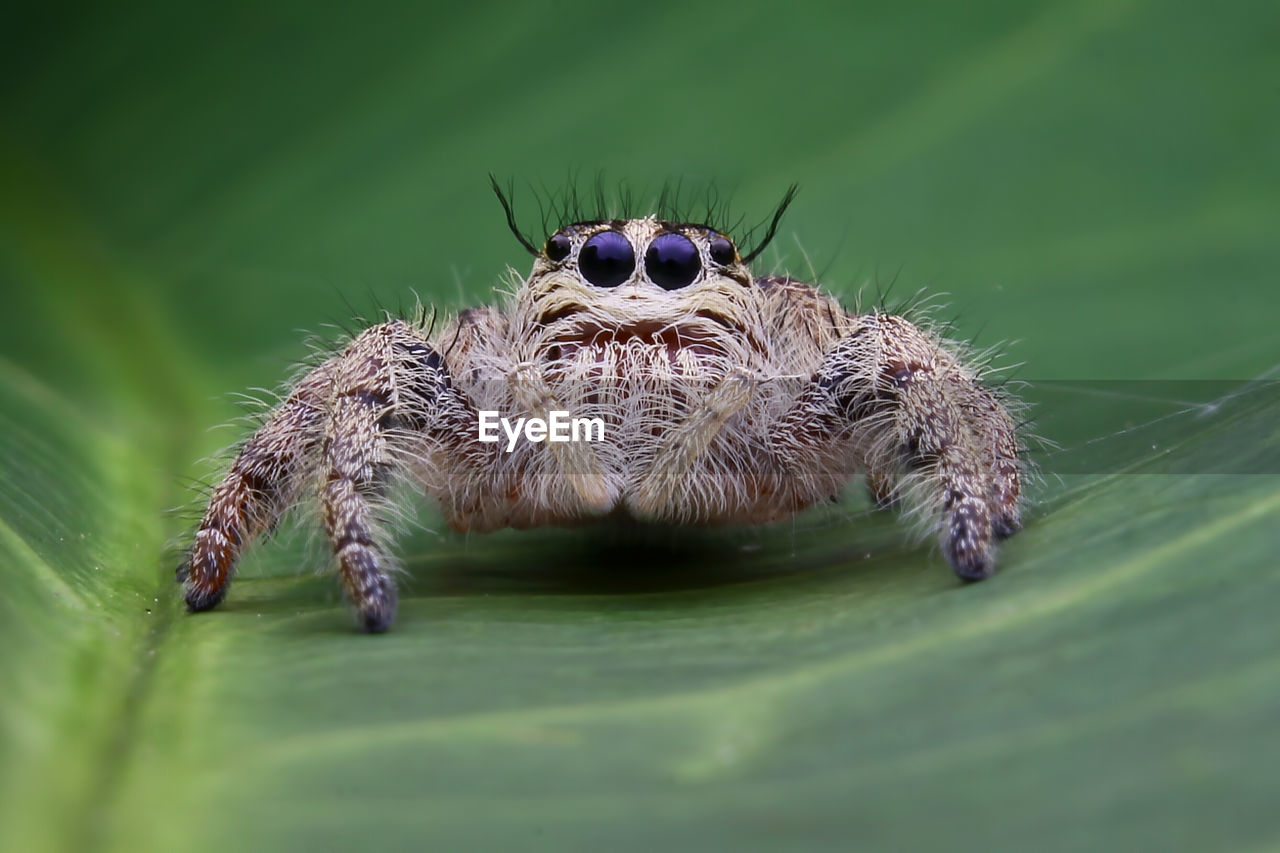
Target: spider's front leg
{"type": "Point", "coordinates": [342, 426]}
{"type": "Point", "coordinates": [389, 385]}
{"type": "Point", "coordinates": [925, 429]}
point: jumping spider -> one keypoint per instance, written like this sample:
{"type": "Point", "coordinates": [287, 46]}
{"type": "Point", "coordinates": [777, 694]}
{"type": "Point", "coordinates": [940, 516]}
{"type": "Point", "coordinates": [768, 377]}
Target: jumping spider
{"type": "Point", "coordinates": [727, 397]}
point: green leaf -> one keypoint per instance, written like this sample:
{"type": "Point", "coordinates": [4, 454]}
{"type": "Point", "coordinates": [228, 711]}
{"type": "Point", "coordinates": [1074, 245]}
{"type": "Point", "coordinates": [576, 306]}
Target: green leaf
{"type": "Point", "coordinates": [186, 188]}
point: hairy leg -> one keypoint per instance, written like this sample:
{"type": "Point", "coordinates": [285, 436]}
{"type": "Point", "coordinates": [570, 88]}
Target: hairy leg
{"type": "Point", "coordinates": [264, 480]}
{"type": "Point", "coordinates": [389, 384]}
{"type": "Point", "coordinates": [1004, 452]}
{"type": "Point", "coordinates": [918, 419]}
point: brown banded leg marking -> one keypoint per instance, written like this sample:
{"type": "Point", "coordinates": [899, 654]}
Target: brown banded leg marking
{"type": "Point", "coordinates": [264, 480]}
{"type": "Point", "coordinates": [389, 386]}
{"type": "Point", "coordinates": [354, 453]}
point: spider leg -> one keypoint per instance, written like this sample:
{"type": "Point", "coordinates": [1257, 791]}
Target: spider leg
{"type": "Point", "coordinates": [264, 480]}
{"type": "Point", "coordinates": [388, 385]}
{"type": "Point", "coordinates": [1006, 473]}
{"type": "Point", "coordinates": [924, 428]}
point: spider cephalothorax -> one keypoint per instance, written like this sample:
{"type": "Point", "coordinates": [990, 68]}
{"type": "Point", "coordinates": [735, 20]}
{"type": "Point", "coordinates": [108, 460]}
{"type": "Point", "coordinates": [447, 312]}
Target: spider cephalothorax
{"type": "Point", "coordinates": [719, 396]}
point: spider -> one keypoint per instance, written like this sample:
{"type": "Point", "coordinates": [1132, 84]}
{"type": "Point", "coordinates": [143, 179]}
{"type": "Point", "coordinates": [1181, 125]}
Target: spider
{"type": "Point", "coordinates": [725, 397]}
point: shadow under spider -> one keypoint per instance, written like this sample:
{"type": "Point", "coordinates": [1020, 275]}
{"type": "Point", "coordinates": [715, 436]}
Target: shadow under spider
{"type": "Point", "coordinates": [616, 558]}
{"type": "Point", "coordinates": [630, 558]}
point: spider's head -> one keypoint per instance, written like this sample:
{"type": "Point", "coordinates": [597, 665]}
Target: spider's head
{"type": "Point", "coordinates": [667, 283]}
{"type": "Point", "coordinates": [673, 284]}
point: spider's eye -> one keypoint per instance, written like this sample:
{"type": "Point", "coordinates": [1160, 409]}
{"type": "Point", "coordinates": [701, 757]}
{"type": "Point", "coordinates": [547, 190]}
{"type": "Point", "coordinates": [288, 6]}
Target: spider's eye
{"type": "Point", "coordinates": [672, 261]}
{"type": "Point", "coordinates": [722, 251]}
{"type": "Point", "coordinates": [558, 247]}
{"type": "Point", "coordinates": [607, 259]}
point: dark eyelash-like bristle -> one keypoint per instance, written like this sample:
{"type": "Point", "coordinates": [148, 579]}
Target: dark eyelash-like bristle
{"type": "Point", "coordinates": [778, 212]}
{"type": "Point", "coordinates": [504, 200]}
{"type": "Point", "coordinates": [674, 202]}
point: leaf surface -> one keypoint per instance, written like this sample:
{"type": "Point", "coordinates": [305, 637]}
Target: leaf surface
{"type": "Point", "coordinates": [186, 189]}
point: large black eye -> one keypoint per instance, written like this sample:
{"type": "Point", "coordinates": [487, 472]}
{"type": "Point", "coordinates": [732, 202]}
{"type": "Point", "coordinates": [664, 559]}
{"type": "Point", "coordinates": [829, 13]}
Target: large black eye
{"type": "Point", "coordinates": [672, 261]}
{"type": "Point", "coordinates": [722, 251]}
{"type": "Point", "coordinates": [607, 260]}
{"type": "Point", "coordinates": [558, 247]}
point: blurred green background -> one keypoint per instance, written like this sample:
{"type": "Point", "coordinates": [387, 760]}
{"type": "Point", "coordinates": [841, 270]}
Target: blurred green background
{"type": "Point", "coordinates": [187, 190]}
